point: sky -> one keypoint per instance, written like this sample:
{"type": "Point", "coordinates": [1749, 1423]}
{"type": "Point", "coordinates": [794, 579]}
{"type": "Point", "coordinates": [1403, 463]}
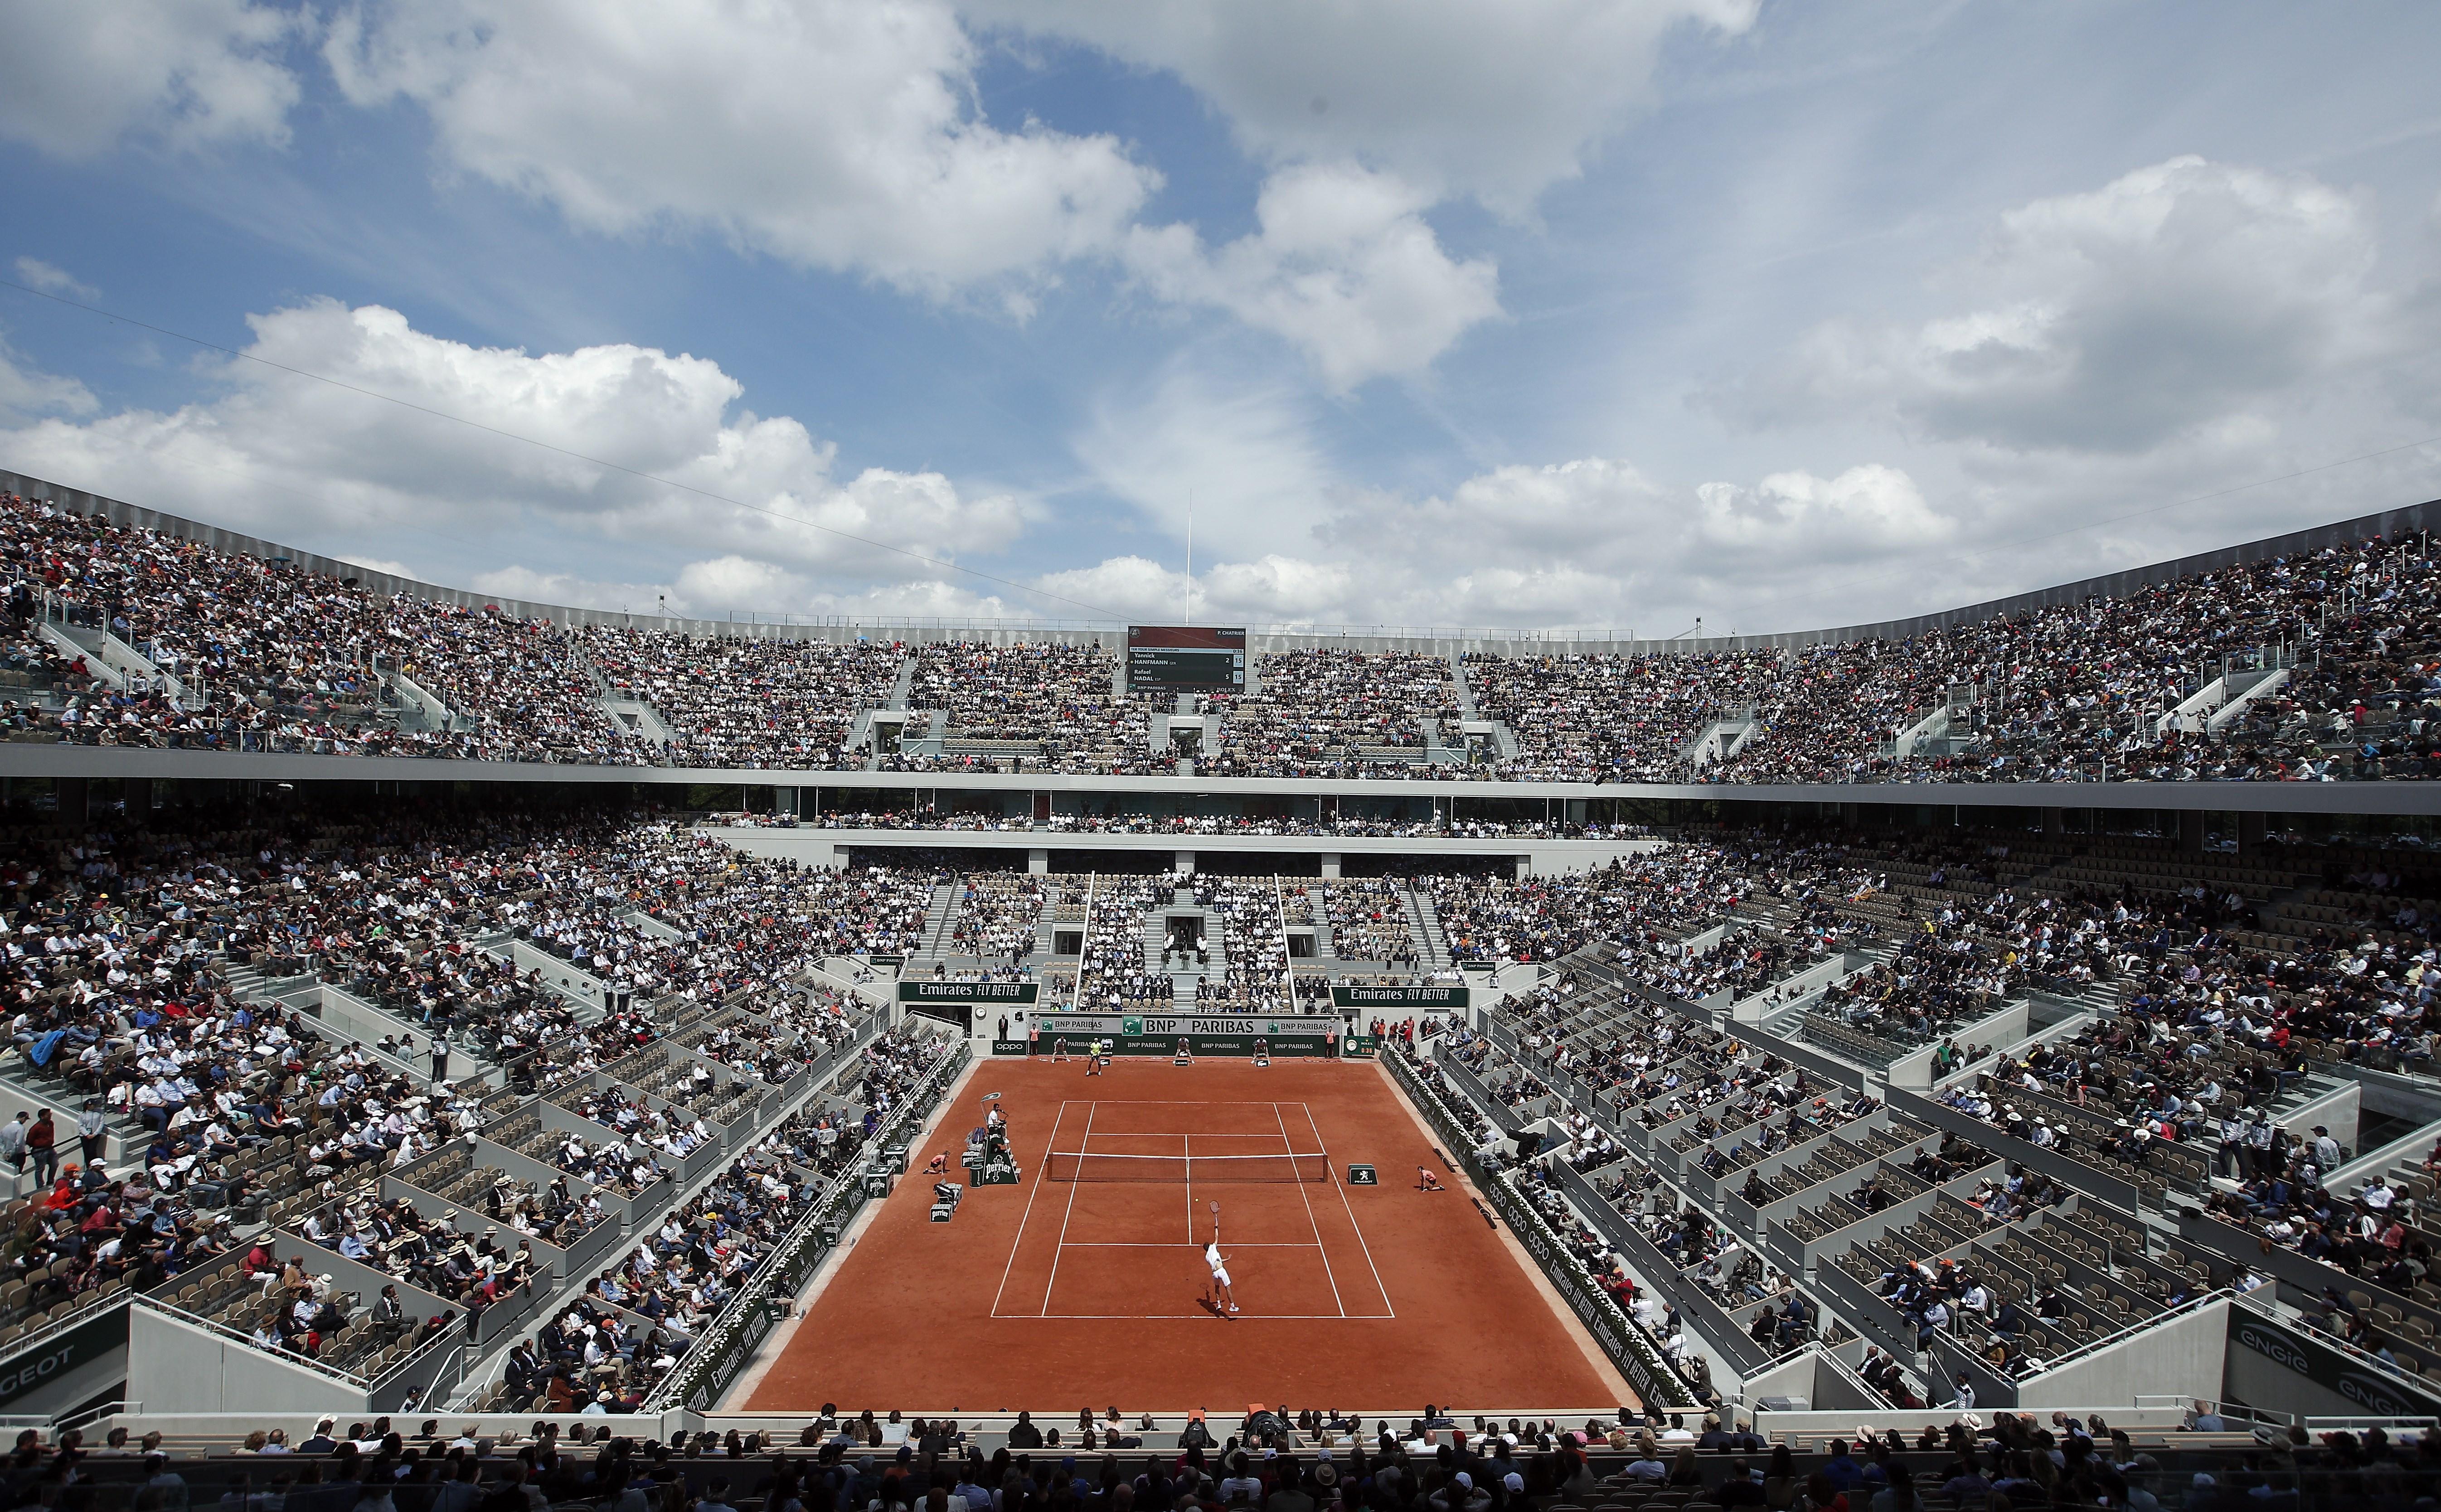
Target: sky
{"type": "Point", "coordinates": [1531, 314]}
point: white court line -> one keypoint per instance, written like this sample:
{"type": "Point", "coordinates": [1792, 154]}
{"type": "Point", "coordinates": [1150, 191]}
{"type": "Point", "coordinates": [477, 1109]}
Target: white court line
{"type": "Point", "coordinates": [1029, 1213]}
{"type": "Point", "coordinates": [1351, 1216]}
{"type": "Point", "coordinates": [1181, 1317]}
{"type": "Point", "coordinates": [1156, 1244]}
{"type": "Point", "coordinates": [1336, 1300]}
{"type": "Point", "coordinates": [1064, 1216]}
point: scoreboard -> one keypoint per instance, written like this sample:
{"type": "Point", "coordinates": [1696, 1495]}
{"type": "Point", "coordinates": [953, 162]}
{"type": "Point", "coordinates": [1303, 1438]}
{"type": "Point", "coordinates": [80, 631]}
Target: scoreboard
{"type": "Point", "coordinates": [1185, 658]}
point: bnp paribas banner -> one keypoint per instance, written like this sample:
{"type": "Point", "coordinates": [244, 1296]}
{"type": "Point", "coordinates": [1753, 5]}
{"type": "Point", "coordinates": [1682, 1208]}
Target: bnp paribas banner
{"type": "Point", "coordinates": [1135, 1026]}
{"type": "Point", "coordinates": [1381, 998]}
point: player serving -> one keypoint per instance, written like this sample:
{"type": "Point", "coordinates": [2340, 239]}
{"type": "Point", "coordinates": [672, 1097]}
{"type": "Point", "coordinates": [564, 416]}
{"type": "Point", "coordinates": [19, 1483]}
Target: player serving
{"type": "Point", "coordinates": [1220, 1264]}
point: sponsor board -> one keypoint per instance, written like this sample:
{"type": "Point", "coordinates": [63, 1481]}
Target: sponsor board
{"type": "Point", "coordinates": [48, 1359]}
{"type": "Point", "coordinates": [728, 1359]}
{"type": "Point", "coordinates": [969, 992]}
{"type": "Point", "coordinates": [1197, 1044]}
{"type": "Point", "coordinates": [2378, 1394]}
{"type": "Point", "coordinates": [1127, 1026]}
{"type": "Point", "coordinates": [1430, 997]}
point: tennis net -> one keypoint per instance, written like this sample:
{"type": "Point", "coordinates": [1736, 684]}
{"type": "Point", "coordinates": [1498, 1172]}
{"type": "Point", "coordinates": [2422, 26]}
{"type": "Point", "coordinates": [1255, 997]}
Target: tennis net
{"type": "Point", "coordinates": [1066, 1165]}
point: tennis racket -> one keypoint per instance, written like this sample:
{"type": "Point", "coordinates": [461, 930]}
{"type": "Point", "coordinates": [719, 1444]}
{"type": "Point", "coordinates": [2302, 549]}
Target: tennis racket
{"type": "Point", "coordinates": [1215, 1222]}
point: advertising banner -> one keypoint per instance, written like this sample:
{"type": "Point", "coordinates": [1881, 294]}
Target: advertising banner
{"type": "Point", "coordinates": [1016, 993]}
{"type": "Point", "coordinates": [1386, 1000]}
{"type": "Point", "coordinates": [1152, 1026]}
{"type": "Point", "coordinates": [49, 1358]}
{"type": "Point", "coordinates": [1286, 1047]}
{"type": "Point", "coordinates": [2378, 1394]}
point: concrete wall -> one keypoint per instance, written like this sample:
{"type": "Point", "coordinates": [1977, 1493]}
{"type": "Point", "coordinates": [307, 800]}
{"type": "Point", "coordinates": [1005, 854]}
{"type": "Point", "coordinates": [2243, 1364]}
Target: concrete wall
{"type": "Point", "coordinates": [214, 1373]}
{"type": "Point", "coordinates": [2179, 1358]}
{"type": "Point", "coordinates": [21, 759]}
{"type": "Point", "coordinates": [2008, 1026]}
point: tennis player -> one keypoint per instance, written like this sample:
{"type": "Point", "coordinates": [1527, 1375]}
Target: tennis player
{"type": "Point", "coordinates": [1097, 1056]}
{"type": "Point", "coordinates": [1220, 1264]}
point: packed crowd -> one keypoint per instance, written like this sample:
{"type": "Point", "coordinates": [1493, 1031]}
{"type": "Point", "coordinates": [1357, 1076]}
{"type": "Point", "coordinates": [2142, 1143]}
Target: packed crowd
{"type": "Point", "coordinates": [1613, 717]}
{"type": "Point", "coordinates": [1059, 699]}
{"type": "Point", "coordinates": [761, 702]}
{"type": "Point", "coordinates": [1328, 713]}
{"type": "Point", "coordinates": [2315, 666]}
{"type": "Point", "coordinates": [1253, 969]}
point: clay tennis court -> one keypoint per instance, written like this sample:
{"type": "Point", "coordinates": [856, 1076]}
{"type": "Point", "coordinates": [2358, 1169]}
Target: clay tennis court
{"type": "Point", "coordinates": [1085, 1283]}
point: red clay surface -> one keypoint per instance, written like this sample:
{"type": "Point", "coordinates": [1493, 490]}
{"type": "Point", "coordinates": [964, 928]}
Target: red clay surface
{"type": "Point", "coordinates": [1055, 1295]}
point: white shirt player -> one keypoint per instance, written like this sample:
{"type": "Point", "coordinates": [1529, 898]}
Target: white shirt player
{"type": "Point", "coordinates": [1212, 1258]}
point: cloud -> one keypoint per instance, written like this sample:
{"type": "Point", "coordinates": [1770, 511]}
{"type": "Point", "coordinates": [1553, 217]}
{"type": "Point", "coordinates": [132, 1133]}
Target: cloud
{"type": "Point", "coordinates": [1342, 266]}
{"type": "Point", "coordinates": [1271, 590]}
{"type": "Point", "coordinates": [1591, 543]}
{"type": "Point", "coordinates": [41, 274]}
{"type": "Point", "coordinates": [274, 452]}
{"type": "Point", "coordinates": [1865, 511]}
{"type": "Point", "coordinates": [382, 564]}
{"type": "Point", "coordinates": [27, 392]}
{"type": "Point", "coordinates": [2178, 296]}
{"type": "Point", "coordinates": [78, 80]}
{"type": "Point", "coordinates": [1243, 456]}
{"type": "Point", "coordinates": [1497, 101]}
{"type": "Point", "coordinates": [836, 134]}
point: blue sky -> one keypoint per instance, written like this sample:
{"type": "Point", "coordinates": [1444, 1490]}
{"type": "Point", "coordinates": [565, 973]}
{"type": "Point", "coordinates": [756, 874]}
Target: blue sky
{"type": "Point", "coordinates": [1543, 312]}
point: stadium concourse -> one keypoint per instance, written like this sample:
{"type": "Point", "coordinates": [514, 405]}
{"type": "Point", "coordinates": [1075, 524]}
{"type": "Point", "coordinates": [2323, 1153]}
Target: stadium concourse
{"type": "Point", "coordinates": [2009, 1030]}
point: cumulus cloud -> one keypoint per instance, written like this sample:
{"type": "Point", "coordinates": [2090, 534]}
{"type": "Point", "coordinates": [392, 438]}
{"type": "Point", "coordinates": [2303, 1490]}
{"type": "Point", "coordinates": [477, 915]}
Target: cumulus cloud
{"type": "Point", "coordinates": [2177, 296]}
{"type": "Point", "coordinates": [836, 134]}
{"type": "Point", "coordinates": [1588, 544]}
{"type": "Point", "coordinates": [275, 452]}
{"type": "Point", "coordinates": [188, 74]}
{"type": "Point", "coordinates": [1495, 101]}
{"type": "Point", "coordinates": [78, 80]}
{"type": "Point", "coordinates": [27, 392]}
{"type": "Point", "coordinates": [1865, 511]}
{"type": "Point", "coordinates": [1342, 266]}
{"type": "Point", "coordinates": [35, 273]}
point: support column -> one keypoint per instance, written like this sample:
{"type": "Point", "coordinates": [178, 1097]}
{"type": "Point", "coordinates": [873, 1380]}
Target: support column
{"type": "Point", "coordinates": [1525, 867]}
{"type": "Point", "coordinates": [2250, 828]}
{"type": "Point", "coordinates": [73, 793]}
{"type": "Point", "coordinates": [2191, 831]}
{"type": "Point", "coordinates": [2054, 822]}
{"type": "Point", "coordinates": [1331, 866]}
{"type": "Point", "coordinates": [1184, 863]}
{"type": "Point", "coordinates": [1037, 861]}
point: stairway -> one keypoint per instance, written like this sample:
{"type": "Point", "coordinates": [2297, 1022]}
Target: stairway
{"type": "Point", "coordinates": [1458, 686]}
{"type": "Point", "coordinates": [1424, 929]}
{"type": "Point", "coordinates": [940, 916]}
